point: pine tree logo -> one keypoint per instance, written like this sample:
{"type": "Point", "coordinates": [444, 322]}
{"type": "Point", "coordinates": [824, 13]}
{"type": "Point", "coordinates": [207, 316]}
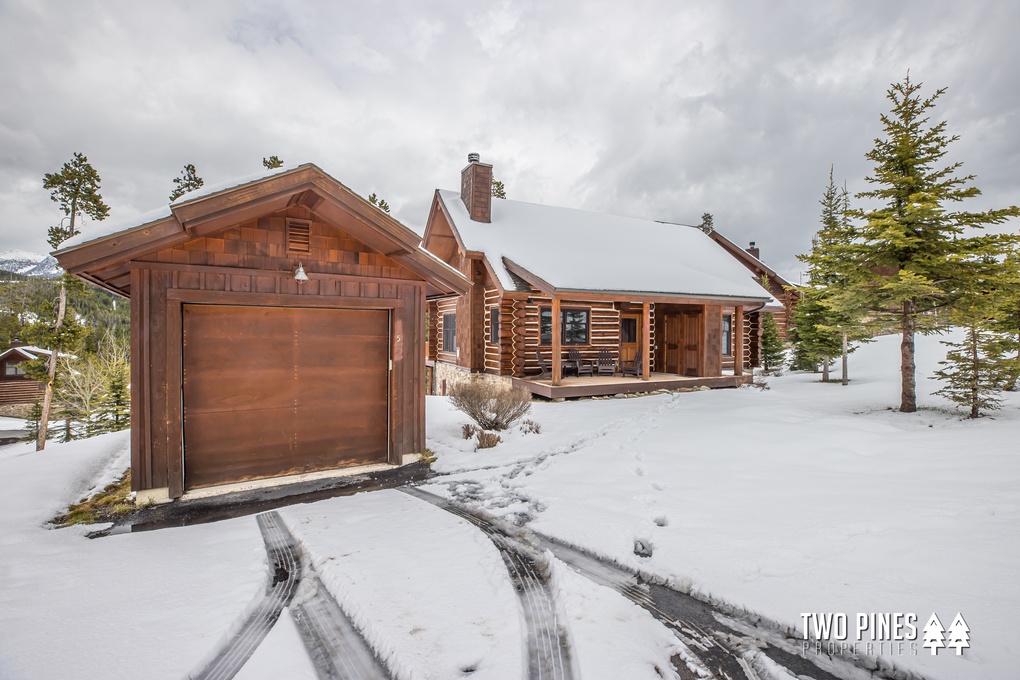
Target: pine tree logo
{"type": "Point", "coordinates": [934, 634]}
{"type": "Point", "coordinates": [959, 634]}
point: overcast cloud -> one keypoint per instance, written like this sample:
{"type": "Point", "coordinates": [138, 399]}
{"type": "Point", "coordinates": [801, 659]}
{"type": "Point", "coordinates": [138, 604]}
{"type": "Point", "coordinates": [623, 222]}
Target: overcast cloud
{"type": "Point", "coordinates": [661, 110]}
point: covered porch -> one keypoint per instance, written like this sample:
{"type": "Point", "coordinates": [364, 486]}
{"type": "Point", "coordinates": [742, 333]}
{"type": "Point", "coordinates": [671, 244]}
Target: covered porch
{"type": "Point", "coordinates": [596, 386]}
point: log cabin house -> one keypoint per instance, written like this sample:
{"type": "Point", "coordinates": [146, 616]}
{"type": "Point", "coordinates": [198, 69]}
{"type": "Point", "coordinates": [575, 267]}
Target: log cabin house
{"type": "Point", "coordinates": [15, 386]}
{"type": "Point", "coordinates": [664, 293]}
{"type": "Point", "coordinates": [276, 327]}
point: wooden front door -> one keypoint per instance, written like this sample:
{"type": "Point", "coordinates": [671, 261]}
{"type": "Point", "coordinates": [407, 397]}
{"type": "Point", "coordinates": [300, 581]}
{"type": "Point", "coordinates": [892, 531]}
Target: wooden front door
{"type": "Point", "coordinates": [270, 391]}
{"type": "Point", "coordinates": [673, 342]}
{"type": "Point", "coordinates": [691, 342]}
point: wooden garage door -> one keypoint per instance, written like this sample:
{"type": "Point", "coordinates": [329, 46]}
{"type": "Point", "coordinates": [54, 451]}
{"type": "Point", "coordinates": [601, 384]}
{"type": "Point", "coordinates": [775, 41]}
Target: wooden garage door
{"type": "Point", "coordinates": [278, 390]}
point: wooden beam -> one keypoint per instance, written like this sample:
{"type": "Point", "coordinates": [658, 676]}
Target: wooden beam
{"type": "Point", "coordinates": [737, 338]}
{"type": "Point", "coordinates": [646, 341]}
{"type": "Point", "coordinates": [639, 297]}
{"type": "Point", "coordinates": [557, 350]}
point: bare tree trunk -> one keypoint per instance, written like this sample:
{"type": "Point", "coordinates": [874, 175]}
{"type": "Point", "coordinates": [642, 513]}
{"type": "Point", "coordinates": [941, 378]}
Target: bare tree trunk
{"type": "Point", "coordinates": [908, 394]}
{"type": "Point", "coordinates": [845, 379]}
{"type": "Point", "coordinates": [44, 419]}
{"type": "Point", "coordinates": [974, 368]}
{"type": "Point", "coordinates": [825, 369]}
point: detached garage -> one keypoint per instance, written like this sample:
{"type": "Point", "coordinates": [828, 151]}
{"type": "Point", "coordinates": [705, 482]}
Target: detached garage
{"type": "Point", "coordinates": [277, 328]}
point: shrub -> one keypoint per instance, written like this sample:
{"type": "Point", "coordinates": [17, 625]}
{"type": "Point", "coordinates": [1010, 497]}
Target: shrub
{"type": "Point", "coordinates": [491, 405]}
{"type": "Point", "coordinates": [529, 426]}
{"type": "Point", "coordinates": [486, 440]}
{"type": "Point", "coordinates": [468, 430]}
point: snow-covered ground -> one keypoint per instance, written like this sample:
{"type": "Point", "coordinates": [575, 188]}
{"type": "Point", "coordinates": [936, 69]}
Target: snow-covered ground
{"type": "Point", "coordinates": [803, 498]}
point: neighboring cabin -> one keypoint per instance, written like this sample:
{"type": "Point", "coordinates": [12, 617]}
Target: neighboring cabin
{"type": "Point", "coordinates": [277, 325]}
{"type": "Point", "coordinates": [15, 386]}
{"type": "Point", "coordinates": [665, 293]}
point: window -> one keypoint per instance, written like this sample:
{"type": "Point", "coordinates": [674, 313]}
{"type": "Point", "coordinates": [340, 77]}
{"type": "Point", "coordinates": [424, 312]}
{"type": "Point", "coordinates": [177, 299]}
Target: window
{"type": "Point", "coordinates": [727, 335]}
{"type": "Point", "coordinates": [628, 329]}
{"type": "Point", "coordinates": [573, 326]}
{"type": "Point", "coordinates": [13, 369]}
{"type": "Point", "coordinates": [450, 333]}
{"type": "Point", "coordinates": [494, 326]}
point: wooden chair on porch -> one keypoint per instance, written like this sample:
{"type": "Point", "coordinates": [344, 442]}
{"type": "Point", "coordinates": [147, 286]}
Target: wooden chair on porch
{"type": "Point", "coordinates": [544, 364]}
{"type": "Point", "coordinates": [632, 367]}
{"type": "Point", "coordinates": [605, 364]}
{"type": "Point", "coordinates": [581, 366]}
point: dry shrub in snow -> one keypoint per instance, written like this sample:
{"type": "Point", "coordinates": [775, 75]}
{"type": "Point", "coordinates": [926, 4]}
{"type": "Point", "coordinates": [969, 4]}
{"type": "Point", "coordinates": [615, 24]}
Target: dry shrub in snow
{"type": "Point", "coordinates": [529, 426]}
{"type": "Point", "coordinates": [491, 405]}
{"type": "Point", "coordinates": [486, 440]}
{"type": "Point", "coordinates": [468, 430]}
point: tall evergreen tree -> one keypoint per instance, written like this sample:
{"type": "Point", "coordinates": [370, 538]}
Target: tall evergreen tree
{"type": "Point", "coordinates": [914, 251]}
{"type": "Point", "coordinates": [772, 349]}
{"type": "Point", "coordinates": [498, 190]}
{"type": "Point", "coordinates": [75, 188]}
{"type": "Point", "coordinates": [188, 181]}
{"type": "Point", "coordinates": [818, 326]}
{"type": "Point", "coordinates": [272, 162]}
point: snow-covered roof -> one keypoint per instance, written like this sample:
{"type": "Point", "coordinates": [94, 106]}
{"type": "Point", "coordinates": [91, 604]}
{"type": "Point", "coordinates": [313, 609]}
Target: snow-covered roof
{"type": "Point", "coordinates": [31, 352]}
{"type": "Point", "coordinates": [577, 250]}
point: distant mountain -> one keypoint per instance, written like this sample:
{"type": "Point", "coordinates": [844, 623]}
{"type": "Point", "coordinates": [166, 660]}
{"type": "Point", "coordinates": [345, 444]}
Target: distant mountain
{"type": "Point", "coordinates": [29, 264]}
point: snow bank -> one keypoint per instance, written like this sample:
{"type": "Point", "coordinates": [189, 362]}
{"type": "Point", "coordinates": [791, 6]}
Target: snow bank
{"type": "Point", "coordinates": [807, 497]}
{"type": "Point", "coordinates": [150, 604]}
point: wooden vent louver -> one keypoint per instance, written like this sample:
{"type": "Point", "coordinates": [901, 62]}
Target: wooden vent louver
{"type": "Point", "coordinates": [298, 236]}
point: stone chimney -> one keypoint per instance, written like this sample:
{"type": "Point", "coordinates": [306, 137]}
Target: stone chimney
{"type": "Point", "coordinates": [476, 189]}
{"type": "Point", "coordinates": [753, 250]}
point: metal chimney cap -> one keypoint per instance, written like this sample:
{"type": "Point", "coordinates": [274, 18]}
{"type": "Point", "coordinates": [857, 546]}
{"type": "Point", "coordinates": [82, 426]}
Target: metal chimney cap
{"type": "Point", "coordinates": [752, 245]}
{"type": "Point", "coordinates": [473, 158]}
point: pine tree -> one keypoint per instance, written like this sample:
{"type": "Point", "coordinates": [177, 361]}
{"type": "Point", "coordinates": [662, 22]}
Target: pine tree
{"type": "Point", "coordinates": [983, 363]}
{"type": "Point", "coordinates": [379, 202]}
{"type": "Point", "coordinates": [914, 252]}
{"type": "Point", "coordinates": [32, 422]}
{"type": "Point", "coordinates": [707, 221]}
{"type": "Point", "coordinates": [934, 638]}
{"type": "Point", "coordinates": [272, 162]}
{"type": "Point", "coordinates": [817, 324]}
{"type": "Point", "coordinates": [188, 181]}
{"type": "Point", "coordinates": [772, 350]}
{"type": "Point", "coordinates": [76, 189]}
{"type": "Point", "coordinates": [959, 634]}
{"type": "Point", "coordinates": [498, 190]}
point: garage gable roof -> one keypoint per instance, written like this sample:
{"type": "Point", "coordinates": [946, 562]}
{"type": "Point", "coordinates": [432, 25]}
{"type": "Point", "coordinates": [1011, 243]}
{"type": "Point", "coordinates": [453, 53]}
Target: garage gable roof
{"type": "Point", "coordinates": [219, 207]}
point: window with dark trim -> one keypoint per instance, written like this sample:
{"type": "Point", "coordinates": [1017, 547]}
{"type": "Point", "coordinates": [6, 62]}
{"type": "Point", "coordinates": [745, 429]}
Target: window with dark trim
{"type": "Point", "coordinates": [494, 326]}
{"type": "Point", "coordinates": [450, 333]}
{"type": "Point", "coordinates": [628, 329]}
{"type": "Point", "coordinates": [14, 369]}
{"type": "Point", "coordinates": [573, 326]}
{"type": "Point", "coordinates": [727, 335]}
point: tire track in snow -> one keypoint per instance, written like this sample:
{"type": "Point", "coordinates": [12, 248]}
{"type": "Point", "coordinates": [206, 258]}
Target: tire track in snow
{"type": "Point", "coordinates": [335, 647]}
{"type": "Point", "coordinates": [547, 641]}
{"type": "Point", "coordinates": [285, 571]}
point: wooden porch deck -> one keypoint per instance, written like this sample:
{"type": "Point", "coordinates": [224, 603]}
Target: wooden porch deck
{"type": "Point", "coordinates": [597, 386]}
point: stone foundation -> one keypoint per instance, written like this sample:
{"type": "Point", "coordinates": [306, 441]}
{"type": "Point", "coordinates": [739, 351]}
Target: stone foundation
{"type": "Point", "coordinates": [447, 375]}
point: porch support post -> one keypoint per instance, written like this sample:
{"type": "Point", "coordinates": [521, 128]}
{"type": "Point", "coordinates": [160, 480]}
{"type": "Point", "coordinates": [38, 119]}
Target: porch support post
{"type": "Point", "coordinates": [646, 341]}
{"type": "Point", "coordinates": [737, 331]}
{"type": "Point", "coordinates": [557, 341]}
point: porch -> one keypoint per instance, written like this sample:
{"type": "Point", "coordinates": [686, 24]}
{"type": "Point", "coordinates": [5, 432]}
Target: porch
{"type": "Point", "coordinates": [597, 386]}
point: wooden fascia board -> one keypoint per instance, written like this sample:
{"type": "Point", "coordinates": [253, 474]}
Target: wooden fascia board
{"type": "Point", "coordinates": [447, 280]}
{"type": "Point", "coordinates": [336, 193]}
{"type": "Point", "coordinates": [539, 283]}
{"type": "Point", "coordinates": [206, 208]}
{"type": "Point", "coordinates": [449, 220]}
{"type": "Point", "coordinates": [757, 267]}
{"type": "Point", "coordinates": [644, 296]}
{"type": "Point", "coordinates": [122, 246]}
{"type": "Point", "coordinates": [207, 225]}
{"type": "Point", "coordinates": [492, 274]}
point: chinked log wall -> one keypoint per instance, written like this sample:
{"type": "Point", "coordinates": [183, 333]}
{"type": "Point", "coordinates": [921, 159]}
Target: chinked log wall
{"type": "Point", "coordinates": [249, 265]}
{"type": "Point", "coordinates": [519, 332]}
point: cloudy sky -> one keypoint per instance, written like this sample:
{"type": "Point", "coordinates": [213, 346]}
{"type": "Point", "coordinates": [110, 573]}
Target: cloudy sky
{"type": "Point", "coordinates": [663, 110]}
